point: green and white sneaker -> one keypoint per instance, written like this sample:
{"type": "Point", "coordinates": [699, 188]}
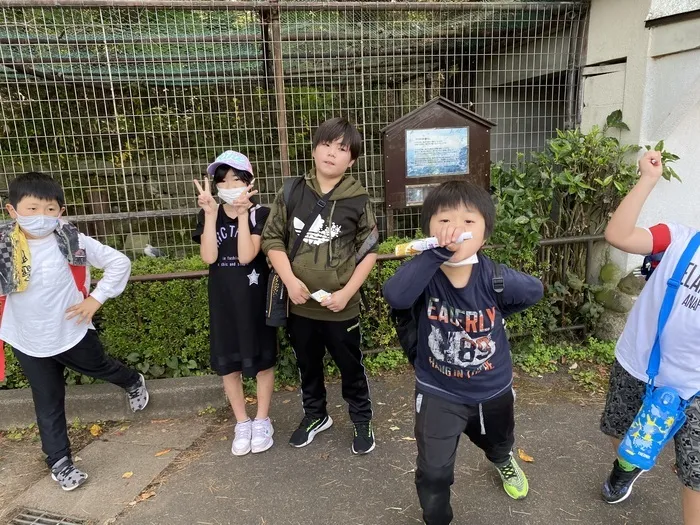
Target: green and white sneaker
{"type": "Point", "coordinates": [514, 481]}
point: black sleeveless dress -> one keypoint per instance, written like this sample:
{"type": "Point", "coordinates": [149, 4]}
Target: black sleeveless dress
{"type": "Point", "coordinates": [240, 341]}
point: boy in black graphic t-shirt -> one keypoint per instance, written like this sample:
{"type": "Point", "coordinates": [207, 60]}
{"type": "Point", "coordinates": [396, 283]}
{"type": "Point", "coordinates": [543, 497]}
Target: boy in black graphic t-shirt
{"type": "Point", "coordinates": [464, 372]}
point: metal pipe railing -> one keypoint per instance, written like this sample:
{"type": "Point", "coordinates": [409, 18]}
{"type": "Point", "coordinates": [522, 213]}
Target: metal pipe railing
{"type": "Point", "coordinates": [198, 274]}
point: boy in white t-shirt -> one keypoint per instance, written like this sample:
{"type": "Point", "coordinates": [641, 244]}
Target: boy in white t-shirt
{"type": "Point", "coordinates": [47, 316]}
{"type": "Point", "coordinates": [680, 356]}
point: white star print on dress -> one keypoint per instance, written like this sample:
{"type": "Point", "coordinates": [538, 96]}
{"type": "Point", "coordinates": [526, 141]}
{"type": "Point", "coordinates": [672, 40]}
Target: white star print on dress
{"type": "Point", "coordinates": [253, 278]}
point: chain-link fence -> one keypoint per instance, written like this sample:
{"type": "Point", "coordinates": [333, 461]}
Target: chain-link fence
{"type": "Point", "coordinates": [127, 104]}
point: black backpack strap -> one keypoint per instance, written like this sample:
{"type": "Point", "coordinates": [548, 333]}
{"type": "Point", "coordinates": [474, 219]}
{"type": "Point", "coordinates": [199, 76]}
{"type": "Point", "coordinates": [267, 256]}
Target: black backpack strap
{"type": "Point", "coordinates": [406, 324]}
{"type": "Point", "coordinates": [290, 195]}
{"type": "Point", "coordinates": [289, 189]}
{"type": "Point", "coordinates": [498, 284]}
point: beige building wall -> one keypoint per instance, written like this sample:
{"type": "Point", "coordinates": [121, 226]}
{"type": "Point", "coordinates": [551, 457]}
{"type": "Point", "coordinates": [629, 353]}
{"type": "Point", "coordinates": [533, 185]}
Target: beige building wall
{"type": "Point", "coordinates": [643, 57]}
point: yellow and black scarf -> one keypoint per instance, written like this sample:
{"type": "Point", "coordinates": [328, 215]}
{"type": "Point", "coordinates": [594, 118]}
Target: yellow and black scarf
{"type": "Point", "coordinates": [15, 258]}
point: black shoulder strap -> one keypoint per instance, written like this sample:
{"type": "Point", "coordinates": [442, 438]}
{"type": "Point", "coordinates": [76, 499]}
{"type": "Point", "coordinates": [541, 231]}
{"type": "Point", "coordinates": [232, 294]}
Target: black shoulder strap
{"type": "Point", "coordinates": [288, 189]}
{"type": "Point", "coordinates": [320, 205]}
{"type": "Point", "coordinates": [497, 282]}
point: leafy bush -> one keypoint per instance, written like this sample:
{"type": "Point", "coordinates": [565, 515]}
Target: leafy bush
{"type": "Point", "coordinates": [569, 189]}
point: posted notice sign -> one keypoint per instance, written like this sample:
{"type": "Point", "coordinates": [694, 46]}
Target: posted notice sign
{"type": "Point", "coordinates": [437, 151]}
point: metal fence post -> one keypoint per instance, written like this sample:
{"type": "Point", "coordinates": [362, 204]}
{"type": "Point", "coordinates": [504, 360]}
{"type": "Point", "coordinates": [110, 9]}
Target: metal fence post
{"type": "Point", "coordinates": [282, 129]}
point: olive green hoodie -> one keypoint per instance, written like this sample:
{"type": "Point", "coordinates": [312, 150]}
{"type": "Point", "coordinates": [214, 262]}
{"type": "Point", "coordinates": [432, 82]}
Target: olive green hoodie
{"type": "Point", "coordinates": [338, 239]}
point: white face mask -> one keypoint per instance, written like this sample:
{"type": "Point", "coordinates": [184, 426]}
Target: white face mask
{"type": "Point", "coordinates": [230, 196]}
{"type": "Point", "coordinates": [466, 262]}
{"type": "Point", "coordinates": [37, 225]}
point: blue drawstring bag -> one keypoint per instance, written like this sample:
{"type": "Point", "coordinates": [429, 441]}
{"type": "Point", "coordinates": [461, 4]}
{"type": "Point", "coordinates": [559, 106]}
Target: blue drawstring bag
{"type": "Point", "coordinates": [662, 413]}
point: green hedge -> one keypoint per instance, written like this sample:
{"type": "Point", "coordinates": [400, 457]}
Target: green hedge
{"type": "Point", "coordinates": [162, 328]}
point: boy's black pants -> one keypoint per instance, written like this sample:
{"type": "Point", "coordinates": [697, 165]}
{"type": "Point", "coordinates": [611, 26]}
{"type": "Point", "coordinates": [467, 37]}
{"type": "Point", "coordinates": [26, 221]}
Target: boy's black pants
{"type": "Point", "coordinates": [439, 425]}
{"type": "Point", "coordinates": [45, 375]}
{"type": "Point", "coordinates": [310, 338]}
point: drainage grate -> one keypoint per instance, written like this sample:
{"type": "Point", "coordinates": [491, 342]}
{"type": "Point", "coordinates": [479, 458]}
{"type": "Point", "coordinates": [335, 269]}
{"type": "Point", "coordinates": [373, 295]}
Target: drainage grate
{"type": "Point", "coordinates": [40, 517]}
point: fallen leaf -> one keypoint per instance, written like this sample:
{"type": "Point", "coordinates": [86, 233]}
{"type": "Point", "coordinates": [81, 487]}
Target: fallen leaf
{"type": "Point", "coordinates": [290, 388]}
{"type": "Point", "coordinates": [406, 438]}
{"type": "Point", "coordinates": [251, 400]}
{"type": "Point", "coordinates": [76, 459]}
{"type": "Point", "coordinates": [143, 497]}
{"type": "Point", "coordinates": [159, 421]}
{"type": "Point", "coordinates": [394, 429]}
{"type": "Point", "coordinates": [127, 475]}
{"type": "Point", "coordinates": [380, 403]}
{"type": "Point", "coordinates": [286, 401]}
{"type": "Point", "coordinates": [522, 455]}
{"type": "Point", "coordinates": [574, 366]}
{"type": "Point", "coordinates": [163, 452]}
{"type": "Point", "coordinates": [95, 430]}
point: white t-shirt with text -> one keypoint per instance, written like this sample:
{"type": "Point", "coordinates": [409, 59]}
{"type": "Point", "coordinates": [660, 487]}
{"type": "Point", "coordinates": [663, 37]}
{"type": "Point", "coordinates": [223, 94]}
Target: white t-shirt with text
{"type": "Point", "coordinates": [680, 341]}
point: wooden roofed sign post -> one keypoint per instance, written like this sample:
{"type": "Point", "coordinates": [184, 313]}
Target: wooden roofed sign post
{"type": "Point", "coordinates": [438, 142]}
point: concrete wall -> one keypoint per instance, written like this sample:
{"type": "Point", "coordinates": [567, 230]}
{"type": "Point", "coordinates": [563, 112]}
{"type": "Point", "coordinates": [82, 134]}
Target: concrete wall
{"type": "Point", "coordinates": [653, 75]}
{"type": "Point", "coordinates": [663, 8]}
{"type": "Point", "coordinates": [525, 116]}
{"type": "Point", "coordinates": [671, 112]}
{"type": "Point", "coordinates": [523, 91]}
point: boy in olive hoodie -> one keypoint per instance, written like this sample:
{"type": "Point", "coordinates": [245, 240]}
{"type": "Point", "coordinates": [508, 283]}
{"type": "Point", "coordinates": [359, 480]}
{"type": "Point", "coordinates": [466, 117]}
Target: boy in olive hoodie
{"type": "Point", "coordinates": [336, 256]}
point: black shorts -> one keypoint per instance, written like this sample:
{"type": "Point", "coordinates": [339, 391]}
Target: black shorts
{"type": "Point", "coordinates": [624, 400]}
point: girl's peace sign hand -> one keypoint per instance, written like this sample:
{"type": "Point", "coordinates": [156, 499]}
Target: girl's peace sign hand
{"type": "Point", "coordinates": [242, 204]}
{"type": "Point", "coordinates": [205, 199]}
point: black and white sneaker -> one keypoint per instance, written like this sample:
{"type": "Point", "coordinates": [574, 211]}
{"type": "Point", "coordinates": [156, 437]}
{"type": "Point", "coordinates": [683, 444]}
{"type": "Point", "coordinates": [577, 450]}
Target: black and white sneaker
{"type": "Point", "coordinates": [138, 395]}
{"type": "Point", "coordinates": [69, 477]}
{"type": "Point", "coordinates": [618, 486]}
{"type": "Point", "coordinates": [308, 428]}
{"type": "Point", "coordinates": [363, 442]}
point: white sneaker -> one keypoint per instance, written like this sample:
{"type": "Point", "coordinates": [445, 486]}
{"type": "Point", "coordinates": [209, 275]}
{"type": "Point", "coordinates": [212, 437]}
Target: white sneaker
{"type": "Point", "coordinates": [262, 435]}
{"type": "Point", "coordinates": [241, 439]}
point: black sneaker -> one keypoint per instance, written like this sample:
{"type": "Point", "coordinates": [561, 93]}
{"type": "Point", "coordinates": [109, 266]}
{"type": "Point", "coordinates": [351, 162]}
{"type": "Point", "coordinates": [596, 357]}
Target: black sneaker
{"type": "Point", "coordinates": [308, 428]}
{"type": "Point", "coordinates": [363, 443]}
{"type": "Point", "coordinates": [619, 484]}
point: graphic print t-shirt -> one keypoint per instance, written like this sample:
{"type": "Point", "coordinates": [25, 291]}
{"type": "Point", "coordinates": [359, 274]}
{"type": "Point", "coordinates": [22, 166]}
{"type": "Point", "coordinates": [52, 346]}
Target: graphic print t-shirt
{"type": "Point", "coordinates": [227, 234]}
{"type": "Point", "coordinates": [463, 352]}
{"type": "Point", "coordinates": [680, 355]}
